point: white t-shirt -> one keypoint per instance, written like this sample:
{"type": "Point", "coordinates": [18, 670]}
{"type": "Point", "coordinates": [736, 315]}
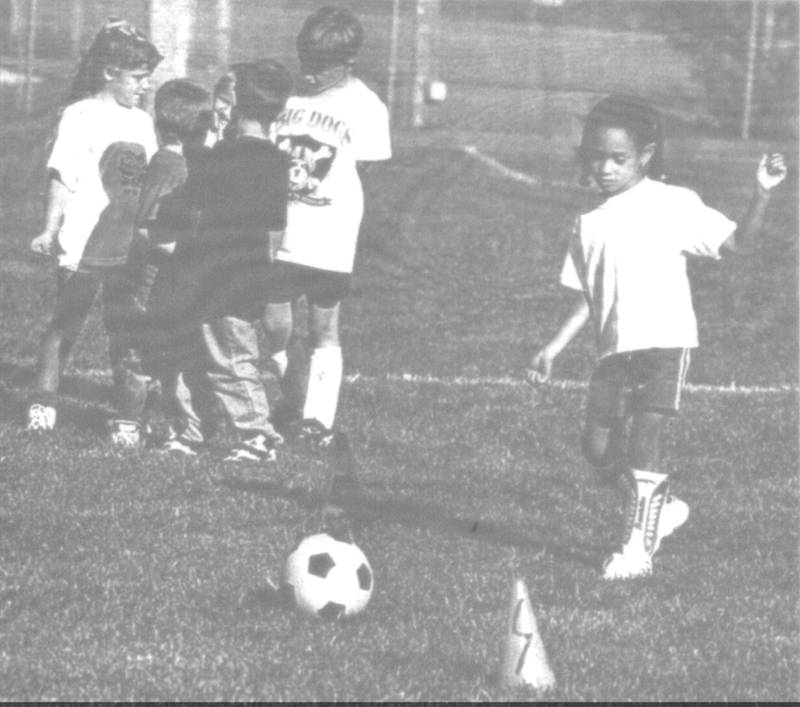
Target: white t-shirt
{"type": "Point", "coordinates": [91, 134]}
{"type": "Point", "coordinates": [325, 135]}
{"type": "Point", "coordinates": [628, 257]}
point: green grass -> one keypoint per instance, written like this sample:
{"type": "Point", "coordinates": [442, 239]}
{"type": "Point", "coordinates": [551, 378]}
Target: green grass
{"type": "Point", "coordinates": [132, 577]}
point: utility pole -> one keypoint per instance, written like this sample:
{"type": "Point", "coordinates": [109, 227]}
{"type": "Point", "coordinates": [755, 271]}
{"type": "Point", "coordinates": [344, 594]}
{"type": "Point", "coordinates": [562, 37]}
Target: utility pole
{"type": "Point", "coordinates": [426, 28]}
{"type": "Point", "coordinates": [171, 29]}
{"type": "Point", "coordinates": [30, 55]}
{"type": "Point", "coordinates": [752, 47]}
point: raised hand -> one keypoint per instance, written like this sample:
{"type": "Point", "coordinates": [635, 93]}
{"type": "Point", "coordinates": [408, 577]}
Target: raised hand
{"type": "Point", "coordinates": [771, 171]}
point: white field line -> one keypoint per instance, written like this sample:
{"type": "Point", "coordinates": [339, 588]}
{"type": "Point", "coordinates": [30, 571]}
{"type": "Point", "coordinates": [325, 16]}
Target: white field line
{"type": "Point", "coordinates": [499, 167]}
{"type": "Point", "coordinates": [476, 381]}
{"type": "Point", "coordinates": [514, 174]}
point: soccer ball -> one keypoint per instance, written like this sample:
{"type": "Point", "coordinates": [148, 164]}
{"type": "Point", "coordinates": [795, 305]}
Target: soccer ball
{"type": "Point", "coordinates": [326, 577]}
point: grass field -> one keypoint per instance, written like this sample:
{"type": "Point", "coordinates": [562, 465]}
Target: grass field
{"type": "Point", "coordinates": [134, 577]}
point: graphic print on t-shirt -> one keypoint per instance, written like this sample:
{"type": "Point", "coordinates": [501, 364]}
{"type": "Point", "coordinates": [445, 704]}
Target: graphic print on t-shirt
{"type": "Point", "coordinates": [122, 168]}
{"type": "Point", "coordinates": [310, 163]}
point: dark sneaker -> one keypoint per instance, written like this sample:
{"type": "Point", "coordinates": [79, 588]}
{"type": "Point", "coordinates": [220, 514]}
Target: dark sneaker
{"type": "Point", "coordinates": [315, 433]}
{"type": "Point", "coordinates": [260, 448]}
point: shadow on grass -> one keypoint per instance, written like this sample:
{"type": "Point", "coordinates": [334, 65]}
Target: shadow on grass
{"type": "Point", "coordinates": [346, 498]}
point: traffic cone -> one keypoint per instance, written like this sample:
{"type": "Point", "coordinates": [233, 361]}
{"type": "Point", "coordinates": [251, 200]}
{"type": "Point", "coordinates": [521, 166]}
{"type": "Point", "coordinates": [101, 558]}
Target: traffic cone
{"type": "Point", "coordinates": [523, 661]}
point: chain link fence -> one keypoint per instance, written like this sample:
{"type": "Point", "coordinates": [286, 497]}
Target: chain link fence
{"type": "Point", "coordinates": [722, 68]}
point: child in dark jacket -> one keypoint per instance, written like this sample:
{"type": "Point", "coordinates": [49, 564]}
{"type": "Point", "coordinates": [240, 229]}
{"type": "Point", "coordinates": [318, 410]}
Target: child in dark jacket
{"type": "Point", "coordinates": [231, 209]}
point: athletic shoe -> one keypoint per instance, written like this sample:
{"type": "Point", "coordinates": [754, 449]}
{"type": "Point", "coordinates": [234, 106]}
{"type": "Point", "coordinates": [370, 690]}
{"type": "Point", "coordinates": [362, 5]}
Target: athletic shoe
{"type": "Point", "coordinates": [635, 561]}
{"type": "Point", "coordinates": [125, 434]}
{"type": "Point", "coordinates": [315, 433]}
{"type": "Point", "coordinates": [178, 445]}
{"type": "Point", "coordinates": [631, 562]}
{"type": "Point", "coordinates": [260, 448]}
{"type": "Point", "coordinates": [41, 418]}
{"type": "Point", "coordinates": [674, 513]}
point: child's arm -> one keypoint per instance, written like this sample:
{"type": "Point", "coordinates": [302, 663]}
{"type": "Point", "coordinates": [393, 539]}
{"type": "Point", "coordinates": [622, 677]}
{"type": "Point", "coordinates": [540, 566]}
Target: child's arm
{"type": "Point", "coordinates": [771, 172]}
{"type": "Point", "coordinates": [541, 364]}
{"type": "Point", "coordinates": [57, 194]}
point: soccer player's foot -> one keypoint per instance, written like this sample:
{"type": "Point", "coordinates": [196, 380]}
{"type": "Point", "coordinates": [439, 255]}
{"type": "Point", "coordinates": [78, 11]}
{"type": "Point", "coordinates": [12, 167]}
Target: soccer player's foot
{"type": "Point", "coordinates": [674, 513]}
{"type": "Point", "coordinates": [180, 447]}
{"type": "Point", "coordinates": [632, 561]}
{"type": "Point", "coordinates": [259, 448]}
{"type": "Point", "coordinates": [125, 434]}
{"type": "Point", "coordinates": [40, 418]}
{"type": "Point", "coordinates": [315, 433]}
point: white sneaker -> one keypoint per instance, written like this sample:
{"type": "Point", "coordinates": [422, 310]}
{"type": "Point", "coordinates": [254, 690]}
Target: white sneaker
{"type": "Point", "coordinates": [631, 562]}
{"type": "Point", "coordinates": [634, 560]}
{"type": "Point", "coordinates": [41, 418]}
{"type": "Point", "coordinates": [125, 434]}
{"type": "Point", "coordinates": [177, 445]}
{"type": "Point", "coordinates": [674, 513]}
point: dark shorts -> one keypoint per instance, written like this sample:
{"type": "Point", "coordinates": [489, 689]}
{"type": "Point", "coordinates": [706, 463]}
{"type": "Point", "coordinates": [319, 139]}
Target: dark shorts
{"type": "Point", "coordinates": [637, 381]}
{"type": "Point", "coordinates": [324, 288]}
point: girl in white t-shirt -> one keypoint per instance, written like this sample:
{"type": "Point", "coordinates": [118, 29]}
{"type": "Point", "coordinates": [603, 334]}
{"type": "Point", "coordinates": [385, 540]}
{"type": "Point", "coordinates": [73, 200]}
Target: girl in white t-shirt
{"type": "Point", "coordinates": [96, 166]}
{"type": "Point", "coordinates": [627, 261]}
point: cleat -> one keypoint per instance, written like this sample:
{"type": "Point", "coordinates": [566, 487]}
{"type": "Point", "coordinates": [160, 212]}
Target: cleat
{"type": "Point", "coordinates": [260, 448]}
{"type": "Point", "coordinates": [125, 434]}
{"type": "Point", "coordinates": [630, 563]}
{"type": "Point", "coordinates": [41, 418]}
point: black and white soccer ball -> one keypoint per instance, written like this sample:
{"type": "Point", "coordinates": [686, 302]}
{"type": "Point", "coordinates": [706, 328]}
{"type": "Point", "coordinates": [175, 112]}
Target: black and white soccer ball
{"type": "Point", "coordinates": [327, 577]}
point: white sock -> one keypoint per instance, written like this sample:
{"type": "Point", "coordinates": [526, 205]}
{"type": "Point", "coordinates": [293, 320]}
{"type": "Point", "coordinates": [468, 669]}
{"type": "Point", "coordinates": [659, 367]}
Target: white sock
{"type": "Point", "coordinates": [280, 361]}
{"type": "Point", "coordinates": [647, 494]}
{"type": "Point", "coordinates": [324, 380]}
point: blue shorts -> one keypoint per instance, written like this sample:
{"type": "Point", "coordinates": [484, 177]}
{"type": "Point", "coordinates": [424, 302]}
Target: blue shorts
{"type": "Point", "coordinates": [324, 288]}
{"type": "Point", "coordinates": [637, 381]}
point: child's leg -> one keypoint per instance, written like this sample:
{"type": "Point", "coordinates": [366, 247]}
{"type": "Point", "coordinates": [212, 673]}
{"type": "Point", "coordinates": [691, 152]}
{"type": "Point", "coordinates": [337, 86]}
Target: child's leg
{"type": "Point", "coordinates": [232, 347]}
{"type": "Point", "coordinates": [603, 437]}
{"type": "Point", "coordinates": [75, 295]}
{"type": "Point", "coordinates": [278, 323]}
{"type": "Point", "coordinates": [325, 365]}
{"type": "Point", "coordinates": [286, 288]}
{"type": "Point", "coordinates": [603, 446]}
{"type": "Point", "coordinates": [657, 377]}
{"type": "Point", "coordinates": [123, 329]}
{"type": "Point", "coordinates": [182, 391]}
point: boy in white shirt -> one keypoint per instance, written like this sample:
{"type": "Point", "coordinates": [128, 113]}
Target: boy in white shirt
{"type": "Point", "coordinates": [627, 259]}
{"type": "Point", "coordinates": [334, 123]}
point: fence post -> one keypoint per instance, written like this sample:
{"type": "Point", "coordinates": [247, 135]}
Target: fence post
{"type": "Point", "coordinates": [170, 28]}
{"type": "Point", "coordinates": [425, 29]}
{"type": "Point", "coordinates": [30, 54]}
{"type": "Point", "coordinates": [222, 34]}
{"type": "Point", "coordinates": [752, 46]}
{"type": "Point", "coordinates": [76, 26]}
{"type": "Point", "coordinates": [391, 78]}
